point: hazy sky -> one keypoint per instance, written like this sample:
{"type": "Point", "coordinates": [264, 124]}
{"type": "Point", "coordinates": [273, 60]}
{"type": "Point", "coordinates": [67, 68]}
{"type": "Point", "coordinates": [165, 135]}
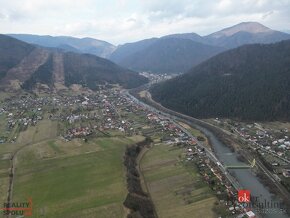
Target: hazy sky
{"type": "Point", "coordinates": [119, 21]}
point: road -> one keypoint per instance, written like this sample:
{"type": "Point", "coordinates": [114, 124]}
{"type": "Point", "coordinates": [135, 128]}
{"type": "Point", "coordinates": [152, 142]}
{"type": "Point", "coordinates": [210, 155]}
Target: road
{"type": "Point", "coordinates": [12, 170]}
{"type": "Point", "coordinates": [188, 120]}
{"type": "Point", "coordinates": [209, 153]}
{"type": "Point", "coordinates": [254, 145]}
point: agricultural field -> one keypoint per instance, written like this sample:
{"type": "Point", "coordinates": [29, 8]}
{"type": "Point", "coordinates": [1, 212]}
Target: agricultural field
{"type": "Point", "coordinates": [46, 129]}
{"type": "Point", "coordinates": [6, 135]}
{"type": "Point", "coordinates": [177, 190]}
{"type": "Point", "coordinates": [70, 159]}
{"type": "Point", "coordinates": [74, 179]}
{"type": "Point", "coordinates": [276, 125]}
{"type": "Point", "coordinates": [4, 171]}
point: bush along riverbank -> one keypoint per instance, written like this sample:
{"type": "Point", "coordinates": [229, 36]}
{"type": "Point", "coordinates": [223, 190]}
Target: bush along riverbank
{"type": "Point", "coordinates": [139, 202]}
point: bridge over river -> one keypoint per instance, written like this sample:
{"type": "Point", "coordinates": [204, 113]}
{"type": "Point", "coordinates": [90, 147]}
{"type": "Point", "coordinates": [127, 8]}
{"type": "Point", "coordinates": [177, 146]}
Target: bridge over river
{"type": "Point", "coordinates": [243, 177]}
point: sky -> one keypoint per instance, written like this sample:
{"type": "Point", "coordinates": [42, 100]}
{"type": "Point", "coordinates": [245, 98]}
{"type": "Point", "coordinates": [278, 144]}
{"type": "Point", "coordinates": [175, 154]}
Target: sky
{"type": "Point", "coordinates": [121, 21]}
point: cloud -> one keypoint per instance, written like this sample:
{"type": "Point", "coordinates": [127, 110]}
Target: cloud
{"type": "Point", "coordinates": [120, 21]}
{"type": "Point", "coordinates": [199, 8]}
{"type": "Point", "coordinates": [267, 14]}
{"type": "Point", "coordinates": [3, 16]}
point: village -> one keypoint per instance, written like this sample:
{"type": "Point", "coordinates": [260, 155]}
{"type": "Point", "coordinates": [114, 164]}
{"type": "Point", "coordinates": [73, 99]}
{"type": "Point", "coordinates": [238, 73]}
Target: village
{"type": "Point", "coordinates": [270, 140]}
{"type": "Point", "coordinates": [110, 112]}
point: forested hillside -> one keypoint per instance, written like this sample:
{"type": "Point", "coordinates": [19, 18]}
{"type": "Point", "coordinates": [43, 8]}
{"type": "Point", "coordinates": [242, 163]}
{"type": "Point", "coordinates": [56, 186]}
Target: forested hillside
{"type": "Point", "coordinates": [251, 82]}
{"type": "Point", "coordinates": [170, 55]}
{"type": "Point", "coordinates": [25, 66]}
{"type": "Point", "coordinates": [11, 53]}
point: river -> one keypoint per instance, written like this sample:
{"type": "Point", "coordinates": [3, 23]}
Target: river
{"type": "Point", "coordinates": [245, 177]}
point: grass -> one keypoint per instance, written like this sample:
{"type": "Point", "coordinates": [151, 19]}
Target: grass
{"type": "Point", "coordinates": [176, 190]}
{"type": "Point", "coordinates": [5, 95]}
{"type": "Point", "coordinates": [3, 125]}
{"type": "Point", "coordinates": [4, 173]}
{"type": "Point", "coordinates": [276, 125]}
{"type": "Point", "coordinates": [67, 179]}
{"type": "Point", "coordinates": [77, 180]}
{"type": "Point", "coordinates": [4, 132]}
{"type": "Point", "coordinates": [6, 150]}
{"type": "Point", "coordinates": [142, 94]}
{"type": "Point", "coordinates": [45, 129]}
{"type": "Point", "coordinates": [195, 132]}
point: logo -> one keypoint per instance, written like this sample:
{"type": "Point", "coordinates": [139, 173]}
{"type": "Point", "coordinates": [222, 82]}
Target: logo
{"type": "Point", "coordinates": [18, 208]}
{"type": "Point", "coordinates": [244, 196]}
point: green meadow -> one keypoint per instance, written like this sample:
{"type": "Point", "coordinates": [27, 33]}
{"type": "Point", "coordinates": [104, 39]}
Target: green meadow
{"type": "Point", "coordinates": [176, 190]}
{"type": "Point", "coordinates": [74, 179]}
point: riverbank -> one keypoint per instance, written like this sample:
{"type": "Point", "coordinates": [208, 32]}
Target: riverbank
{"type": "Point", "coordinates": [176, 186]}
{"type": "Point", "coordinates": [219, 138]}
{"type": "Point", "coordinates": [137, 200]}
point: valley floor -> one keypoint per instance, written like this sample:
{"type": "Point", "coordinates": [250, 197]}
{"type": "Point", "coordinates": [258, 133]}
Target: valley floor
{"type": "Point", "coordinates": [68, 157]}
{"type": "Point", "coordinates": [177, 189]}
{"type": "Point", "coordinates": [74, 179]}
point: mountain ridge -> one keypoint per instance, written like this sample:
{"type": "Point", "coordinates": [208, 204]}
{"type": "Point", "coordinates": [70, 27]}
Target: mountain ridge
{"type": "Point", "coordinates": [170, 55]}
{"type": "Point", "coordinates": [247, 83]}
{"type": "Point", "coordinates": [251, 27]}
{"type": "Point", "coordinates": [245, 33]}
{"type": "Point", "coordinates": [136, 55]}
{"type": "Point", "coordinates": [28, 66]}
{"type": "Point", "coordinates": [139, 55]}
{"type": "Point", "coordinates": [82, 45]}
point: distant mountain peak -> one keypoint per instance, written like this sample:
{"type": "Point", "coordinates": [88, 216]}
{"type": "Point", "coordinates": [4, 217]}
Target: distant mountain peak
{"type": "Point", "coordinates": [191, 36]}
{"type": "Point", "coordinates": [81, 45]}
{"type": "Point", "coordinates": [181, 34]}
{"type": "Point", "coordinates": [250, 27]}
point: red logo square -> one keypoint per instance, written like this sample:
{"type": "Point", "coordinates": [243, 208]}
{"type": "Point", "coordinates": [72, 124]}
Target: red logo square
{"type": "Point", "coordinates": [244, 196]}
